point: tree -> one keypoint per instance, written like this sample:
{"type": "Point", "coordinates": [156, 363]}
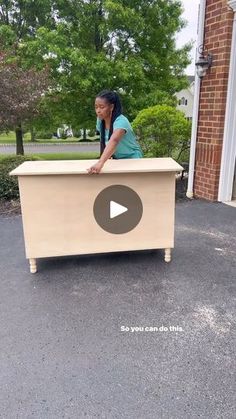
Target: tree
{"type": "Point", "coordinates": [124, 45]}
{"type": "Point", "coordinates": [163, 131]}
{"type": "Point", "coordinates": [20, 93]}
{"type": "Point", "coordinates": [19, 20]}
{"type": "Point", "coordinates": [25, 16]}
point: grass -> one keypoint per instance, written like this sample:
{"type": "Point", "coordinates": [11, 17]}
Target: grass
{"type": "Point", "coordinates": [10, 138]}
{"type": "Point", "coordinates": [7, 138]}
{"type": "Point", "coordinates": [61, 156]}
{"type": "Point", "coordinates": [68, 156]}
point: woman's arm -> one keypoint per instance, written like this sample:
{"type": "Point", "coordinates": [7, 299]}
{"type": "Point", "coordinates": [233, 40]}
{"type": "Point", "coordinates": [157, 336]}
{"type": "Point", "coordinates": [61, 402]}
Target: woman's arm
{"type": "Point", "coordinates": [108, 151]}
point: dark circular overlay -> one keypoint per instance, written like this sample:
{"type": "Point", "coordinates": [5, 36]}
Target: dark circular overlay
{"type": "Point", "coordinates": [121, 195]}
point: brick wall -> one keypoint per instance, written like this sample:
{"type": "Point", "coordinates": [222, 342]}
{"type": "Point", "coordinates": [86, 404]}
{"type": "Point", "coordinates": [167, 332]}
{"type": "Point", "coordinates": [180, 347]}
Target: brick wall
{"type": "Point", "coordinates": [213, 92]}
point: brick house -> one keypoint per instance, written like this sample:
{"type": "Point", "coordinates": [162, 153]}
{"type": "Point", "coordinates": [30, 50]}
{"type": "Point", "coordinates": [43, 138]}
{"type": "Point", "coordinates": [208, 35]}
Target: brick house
{"type": "Point", "coordinates": [213, 141]}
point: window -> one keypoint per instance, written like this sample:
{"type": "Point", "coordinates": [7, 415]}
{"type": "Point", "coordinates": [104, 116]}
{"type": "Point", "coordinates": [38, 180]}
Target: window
{"type": "Point", "coordinates": [183, 101]}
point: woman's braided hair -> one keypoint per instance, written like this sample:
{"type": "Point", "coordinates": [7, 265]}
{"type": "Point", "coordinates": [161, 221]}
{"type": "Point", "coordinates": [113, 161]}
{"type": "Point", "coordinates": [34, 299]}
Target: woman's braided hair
{"type": "Point", "coordinates": [114, 99]}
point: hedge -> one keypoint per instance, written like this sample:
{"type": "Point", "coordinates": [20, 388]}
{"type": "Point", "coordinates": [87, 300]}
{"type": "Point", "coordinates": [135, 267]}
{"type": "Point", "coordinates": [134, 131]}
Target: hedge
{"type": "Point", "coordinates": [9, 184]}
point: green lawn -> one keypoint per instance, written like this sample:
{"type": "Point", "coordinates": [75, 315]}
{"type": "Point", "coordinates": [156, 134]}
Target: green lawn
{"type": "Point", "coordinates": [61, 156]}
{"type": "Point", "coordinates": [11, 139]}
{"type": "Point", "coordinates": [68, 156]}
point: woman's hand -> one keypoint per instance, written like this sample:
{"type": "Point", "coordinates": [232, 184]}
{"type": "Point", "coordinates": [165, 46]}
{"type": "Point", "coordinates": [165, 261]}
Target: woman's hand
{"type": "Point", "coordinates": [96, 168]}
{"type": "Point", "coordinates": [108, 151]}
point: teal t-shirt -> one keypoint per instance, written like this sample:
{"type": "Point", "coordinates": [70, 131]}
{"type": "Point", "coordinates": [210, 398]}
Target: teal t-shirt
{"type": "Point", "coordinates": [128, 147]}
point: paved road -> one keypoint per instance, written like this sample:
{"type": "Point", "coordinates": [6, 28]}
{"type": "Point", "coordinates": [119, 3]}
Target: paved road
{"type": "Point", "coordinates": [54, 148]}
{"type": "Point", "coordinates": [64, 354]}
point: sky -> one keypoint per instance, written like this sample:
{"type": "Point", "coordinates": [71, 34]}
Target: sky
{"type": "Point", "coordinates": [189, 33]}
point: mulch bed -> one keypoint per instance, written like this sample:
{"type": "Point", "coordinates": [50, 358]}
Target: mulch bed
{"type": "Point", "coordinates": [9, 208]}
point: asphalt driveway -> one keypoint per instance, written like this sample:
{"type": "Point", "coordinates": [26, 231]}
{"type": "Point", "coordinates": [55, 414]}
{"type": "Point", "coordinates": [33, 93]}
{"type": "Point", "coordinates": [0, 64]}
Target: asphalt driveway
{"type": "Point", "coordinates": [68, 347]}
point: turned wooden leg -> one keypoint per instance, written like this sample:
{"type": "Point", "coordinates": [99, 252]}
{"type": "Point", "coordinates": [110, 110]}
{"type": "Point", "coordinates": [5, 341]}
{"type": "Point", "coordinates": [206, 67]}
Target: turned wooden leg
{"type": "Point", "coordinates": [167, 255]}
{"type": "Point", "coordinates": [33, 266]}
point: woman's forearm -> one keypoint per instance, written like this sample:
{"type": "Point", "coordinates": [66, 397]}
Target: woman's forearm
{"type": "Point", "coordinates": [108, 151]}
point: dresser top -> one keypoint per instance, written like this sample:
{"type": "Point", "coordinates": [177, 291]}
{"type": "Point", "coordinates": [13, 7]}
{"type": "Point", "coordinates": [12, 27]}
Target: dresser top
{"type": "Point", "coordinates": [71, 167]}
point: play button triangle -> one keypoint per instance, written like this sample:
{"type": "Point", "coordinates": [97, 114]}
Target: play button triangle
{"type": "Point", "coordinates": [116, 209]}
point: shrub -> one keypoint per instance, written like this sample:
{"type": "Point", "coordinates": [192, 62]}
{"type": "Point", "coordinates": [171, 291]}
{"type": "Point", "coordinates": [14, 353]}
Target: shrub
{"type": "Point", "coordinates": [41, 135]}
{"type": "Point", "coordinates": [91, 133]}
{"type": "Point", "coordinates": [163, 131]}
{"type": "Point", "coordinates": [77, 133]}
{"type": "Point", "coordinates": [9, 184]}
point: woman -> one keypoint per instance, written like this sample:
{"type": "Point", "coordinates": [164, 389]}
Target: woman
{"type": "Point", "coordinates": [116, 134]}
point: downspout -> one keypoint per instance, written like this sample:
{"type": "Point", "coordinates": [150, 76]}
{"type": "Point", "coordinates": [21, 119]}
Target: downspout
{"type": "Point", "coordinates": [197, 85]}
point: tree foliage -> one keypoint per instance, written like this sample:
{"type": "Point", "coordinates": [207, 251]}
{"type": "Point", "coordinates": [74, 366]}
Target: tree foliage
{"type": "Point", "coordinates": [124, 45]}
{"type": "Point", "coordinates": [20, 93]}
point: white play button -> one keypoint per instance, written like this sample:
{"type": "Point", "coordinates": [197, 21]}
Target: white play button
{"type": "Point", "coordinates": [116, 209]}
